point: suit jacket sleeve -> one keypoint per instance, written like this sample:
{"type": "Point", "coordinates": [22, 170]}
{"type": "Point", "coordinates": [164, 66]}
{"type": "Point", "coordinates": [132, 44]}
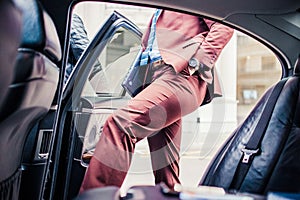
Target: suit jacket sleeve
{"type": "Point", "coordinates": [214, 42]}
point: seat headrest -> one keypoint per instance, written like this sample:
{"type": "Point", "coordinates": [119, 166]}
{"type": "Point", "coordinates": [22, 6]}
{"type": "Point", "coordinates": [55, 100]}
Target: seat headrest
{"type": "Point", "coordinates": [297, 67]}
{"type": "Point", "coordinates": [39, 31]}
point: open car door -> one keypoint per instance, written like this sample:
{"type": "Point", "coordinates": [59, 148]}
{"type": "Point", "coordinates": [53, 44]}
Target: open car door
{"type": "Point", "coordinates": [87, 102]}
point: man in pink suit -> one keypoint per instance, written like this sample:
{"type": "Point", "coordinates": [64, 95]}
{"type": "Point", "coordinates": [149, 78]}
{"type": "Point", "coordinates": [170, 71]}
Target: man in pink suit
{"type": "Point", "coordinates": [181, 51]}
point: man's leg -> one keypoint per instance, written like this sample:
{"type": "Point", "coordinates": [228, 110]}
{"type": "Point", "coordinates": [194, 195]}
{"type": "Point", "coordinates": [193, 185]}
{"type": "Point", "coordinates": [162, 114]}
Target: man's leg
{"type": "Point", "coordinates": [162, 103]}
{"type": "Point", "coordinates": [165, 154]}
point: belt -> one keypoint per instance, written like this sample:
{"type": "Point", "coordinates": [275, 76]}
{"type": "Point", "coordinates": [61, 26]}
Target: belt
{"type": "Point", "coordinates": [157, 63]}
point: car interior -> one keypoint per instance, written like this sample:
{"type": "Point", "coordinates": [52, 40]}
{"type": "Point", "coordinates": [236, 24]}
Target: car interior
{"type": "Point", "coordinates": [49, 128]}
{"type": "Point", "coordinates": [275, 165]}
{"type": "Point", "coordinates": [30, 94]}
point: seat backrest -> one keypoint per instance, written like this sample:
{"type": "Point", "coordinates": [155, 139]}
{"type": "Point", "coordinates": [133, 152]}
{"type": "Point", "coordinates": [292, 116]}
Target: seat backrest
{"type": "Point", "coordinates": [31, 92]}
{"type": "Point", "coordinates": [277, 166]}
{"type": "Point", "coordinates": [10, 36]}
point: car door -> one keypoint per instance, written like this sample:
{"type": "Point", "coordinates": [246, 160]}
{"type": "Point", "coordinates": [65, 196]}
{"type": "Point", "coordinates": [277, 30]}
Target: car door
{"type": "Point", "coordinates": [86, 103]}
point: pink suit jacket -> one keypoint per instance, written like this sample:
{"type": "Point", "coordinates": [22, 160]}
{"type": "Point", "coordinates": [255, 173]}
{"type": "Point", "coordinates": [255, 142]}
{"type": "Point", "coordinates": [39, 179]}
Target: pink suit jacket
{"type": "Point", "coordinates": [181, 37]}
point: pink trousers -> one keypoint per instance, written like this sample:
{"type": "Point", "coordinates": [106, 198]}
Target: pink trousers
{"type": "Point", "coordinates": [156, 114]}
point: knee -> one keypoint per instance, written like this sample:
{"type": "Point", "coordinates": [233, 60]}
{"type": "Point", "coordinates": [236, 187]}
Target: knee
{"type": "Point", "coordinates": [117, 131]}
{"type": "Point", "coordinates": [128, 116]}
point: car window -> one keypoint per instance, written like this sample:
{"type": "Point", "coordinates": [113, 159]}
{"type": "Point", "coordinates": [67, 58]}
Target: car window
{"type": "Point", "coordinates": [115, 60]}
{"type": "Point", "coordinates": [257, 69]}
{"type": "Point", "coordinates": [246, 67]}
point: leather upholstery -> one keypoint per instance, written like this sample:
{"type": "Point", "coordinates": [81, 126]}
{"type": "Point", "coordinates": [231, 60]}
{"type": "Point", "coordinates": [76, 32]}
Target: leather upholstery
{"type": "Point", "coordinates": [10, 35]}
{"type": "Point", "coordinates": [38, 34]}
{"type": "Point", "coordinates": [277, 166]}
{"type": "Point", "coordinates": [30, 94]}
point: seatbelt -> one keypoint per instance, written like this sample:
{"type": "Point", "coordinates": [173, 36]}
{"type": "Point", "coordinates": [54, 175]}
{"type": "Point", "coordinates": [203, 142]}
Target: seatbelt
{"type": "Point", "coordinates": [253, 144]}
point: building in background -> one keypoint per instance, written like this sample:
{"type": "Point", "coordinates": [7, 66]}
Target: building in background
{"type": "Point", "coordinates": [257, 70]}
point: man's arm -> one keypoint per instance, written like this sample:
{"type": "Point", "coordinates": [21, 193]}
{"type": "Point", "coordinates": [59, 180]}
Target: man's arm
{"type": "Point", "coordinates": [211, 47]}
{"type": "Point", "coordinates": [214, 42]}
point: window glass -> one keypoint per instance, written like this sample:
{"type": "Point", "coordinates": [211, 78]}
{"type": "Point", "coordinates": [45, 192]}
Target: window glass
{"type": "Point", "coordinates": [115, 60]}
{"type": "Point", "coordinates": [257, 70]}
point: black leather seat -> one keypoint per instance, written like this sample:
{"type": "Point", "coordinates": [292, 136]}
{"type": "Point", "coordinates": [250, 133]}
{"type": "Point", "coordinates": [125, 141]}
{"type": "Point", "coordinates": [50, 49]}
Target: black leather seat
{"type": "Point", "coordinates": [10, 36]}
{"type": "Point", "coordinates": [30, 94]}
{"type": "Point", "coordinates": [277, 166]}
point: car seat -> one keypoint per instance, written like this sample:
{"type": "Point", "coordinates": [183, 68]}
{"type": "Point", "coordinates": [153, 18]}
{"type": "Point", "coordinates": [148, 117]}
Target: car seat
{"type": "Point", "coordinates": [30, 94]}
{"type": "Point", "coordinates": [276, 166]}
{"type": "Point", "coordinates": [10, 36]}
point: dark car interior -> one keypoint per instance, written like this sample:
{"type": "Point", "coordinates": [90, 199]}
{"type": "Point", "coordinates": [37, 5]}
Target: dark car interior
{"type": "Point", "coordinates": [42, 133]}
{"type": "Point", "coordinates": [30, 94]}
{"type": "Point", "coordinates": [276, 163]}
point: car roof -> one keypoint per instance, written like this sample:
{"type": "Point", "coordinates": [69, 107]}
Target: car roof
{"type": "Point", "coordinates": [225, 8]}
{"type": "Point", "coordinates": [272, 22]}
